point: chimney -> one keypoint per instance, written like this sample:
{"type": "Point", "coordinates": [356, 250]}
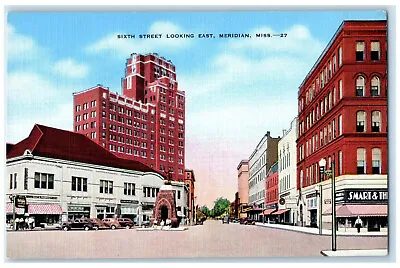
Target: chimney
{"type": "Point", "coordinates": [268, 133]}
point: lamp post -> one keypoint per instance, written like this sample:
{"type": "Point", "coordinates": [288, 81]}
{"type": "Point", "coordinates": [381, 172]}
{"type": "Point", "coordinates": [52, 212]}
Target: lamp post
{"type": "Point", "coordinates": [331, 174]}
{"type": "Point", "coordinates": [318, 192]}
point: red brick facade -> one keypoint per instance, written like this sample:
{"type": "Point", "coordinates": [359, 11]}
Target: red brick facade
{"type": "Point", "coordinates": [271, 186]}
{"type": "Point", "coordinates": [189, 181]}
{"type": "Point", "coordinates": [146, 123]}
{"type": "Point", "coordinates": [165, 198]}
{"type": "Point", "coordinates": [343, 105]}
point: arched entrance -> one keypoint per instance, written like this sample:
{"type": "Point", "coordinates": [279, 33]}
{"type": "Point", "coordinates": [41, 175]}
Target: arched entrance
{"type": "Point", "coordinates": [164, 213]}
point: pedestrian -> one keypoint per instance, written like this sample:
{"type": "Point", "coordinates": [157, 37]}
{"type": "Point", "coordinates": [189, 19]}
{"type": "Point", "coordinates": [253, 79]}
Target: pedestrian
{"type": "Point", "coordinates": [358, 224]}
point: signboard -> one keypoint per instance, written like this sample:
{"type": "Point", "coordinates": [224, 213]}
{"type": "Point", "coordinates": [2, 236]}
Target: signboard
{"type": "Point", "coordinates": [275, 206]}
{"type": "Point", "coordinates": [129, 201]}
{"type": "Point", "coordinates": [362, 196]}
{"type": "Point", "coordinates": [282, 201]}
{"type": "Point", "coordinates": [20, 201]}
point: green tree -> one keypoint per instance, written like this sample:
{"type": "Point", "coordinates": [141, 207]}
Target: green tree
{"type": "Point", "coordinates": [221, 206]}
{"type": "Point", "coordinates": [204, 209]}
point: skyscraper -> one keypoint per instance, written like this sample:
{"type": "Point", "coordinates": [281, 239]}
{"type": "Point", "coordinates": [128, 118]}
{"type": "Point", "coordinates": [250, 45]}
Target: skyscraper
{"type": "Point", "coordinates": [146, 123]}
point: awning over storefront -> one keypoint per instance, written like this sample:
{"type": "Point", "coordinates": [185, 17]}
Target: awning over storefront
{"type": "Point", "coordinates": [48, 209]}
{"type": "Point", "coordinates": [268, 211]}
{"type": "Point", "coordinates": [279, 212]}
{"type": "Point", "coordinates": [359, 210]}
{"type": "Point", "coordinates": [9, 209]}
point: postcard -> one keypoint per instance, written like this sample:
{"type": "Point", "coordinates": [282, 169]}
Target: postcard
{"type": "Point", "coordinates": [221, 134]}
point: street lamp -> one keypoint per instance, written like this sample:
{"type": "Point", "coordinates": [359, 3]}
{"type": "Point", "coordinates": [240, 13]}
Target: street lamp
{"type": "Point", "coordinates": [331, 173]}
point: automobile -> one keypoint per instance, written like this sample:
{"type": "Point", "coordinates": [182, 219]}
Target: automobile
{"type": "Point", "coordinates": [235, 220]}
{"type": "Point", "coordinates": [126, 222]}
{"type": "Point", "coordinates": [225, 219]}
{"type": "Point", "coordinates": [247, 221]}
{"type": "Point", "coordinates": [99, 223]}
{"type": "Point", "coordinates": [112, 223]}
{"type": "Point", "coordinates": [84, 224]}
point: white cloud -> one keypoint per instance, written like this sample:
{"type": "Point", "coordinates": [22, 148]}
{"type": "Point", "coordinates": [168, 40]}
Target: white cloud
{"type": "Point", "coordinates": [297, 41]}
{"type": "Point", "coordinates": [123, 47]}
{"type": "Point", "coordinates": [71, 68]}
{"type": "Point", "coordinates": [19, 46]}
{"type": "Point", "coordinates": [59, 116]}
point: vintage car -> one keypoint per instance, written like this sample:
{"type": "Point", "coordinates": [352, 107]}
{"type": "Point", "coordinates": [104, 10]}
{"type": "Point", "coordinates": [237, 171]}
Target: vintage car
{"type": "Point", "coordinates": [84, 224]}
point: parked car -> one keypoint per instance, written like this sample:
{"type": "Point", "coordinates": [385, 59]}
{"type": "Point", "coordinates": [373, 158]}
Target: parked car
{"type": "Point", "coordinates": [247, 221]}
{"type": "Point", "coordinates": [112, 223]}
{"type": "Point", "coordinates": [99, 223]}
{"type": "Point", "coordinates": [225, 219]}
{"type": "Point", "coordinates": [84, 224]}
{"type": "Point", "coordinates": [126, 223]}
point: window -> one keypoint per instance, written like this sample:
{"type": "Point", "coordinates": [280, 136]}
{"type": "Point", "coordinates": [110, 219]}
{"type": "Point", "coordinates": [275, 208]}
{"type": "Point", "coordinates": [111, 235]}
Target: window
{"type": "Point", "coordinates": [375, 86]}
{"type": "Point", "coordinates": [340, 89]}
{"type": "Point", "coordinates": [334, 96]}
{"type": "Point", "coordinates": [44, 180]}
{"type": "Point", "coordinates": [340, 162]}
{"type": "Point", "coordinates": [129, 188]}
{"type": "Point", "coordinates": [376, 161]}
{"type": "Point", "coordinates": [340, 125]}
{"type": "Point", "coordinates": [179, 194]}
{"type": "Point", "coordinates": [360, 47]}
{"type": "Point", "coordinates": [375, 50]}
{"type": "Point", "coordinates": [129, 82]}
{"type": "Point", "coordinates": [26, 179]}
{"type": "Point", "coordinates": [340, 52]}
{"type": "Point", "coordinates": [106, 187]}
{"type": "Point", "coordinates": [360, 121]}
{"type": "Point", "coordinates": [376, 121]}
{"type": "Point", "coordinates": [79, 184]}
{"type": "Point", "coordinates": [360, 85]}
{"type": "Point", "coordinates": [361, 161]}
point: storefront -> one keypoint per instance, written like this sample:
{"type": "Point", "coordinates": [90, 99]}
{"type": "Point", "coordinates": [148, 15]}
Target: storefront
{"type": "Point", "coordinates": [78, 211]}
{"type": "Point", "coordinates": [45, 214]}
{"type": "Point", "coordinates": [19, 213]}
{"type": "Point", "coordinates": [268, 213]}
{"type": "Point", "coordinates": [368, 204]}
{"type": "Point", "coordinates": [129, 209]}
{"type": "Point", "coordinates": [312, 209]}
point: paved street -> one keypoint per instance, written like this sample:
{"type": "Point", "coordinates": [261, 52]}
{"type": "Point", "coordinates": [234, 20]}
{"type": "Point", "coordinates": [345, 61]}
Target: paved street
{"type": "Point", "coordinates": [213, 239]}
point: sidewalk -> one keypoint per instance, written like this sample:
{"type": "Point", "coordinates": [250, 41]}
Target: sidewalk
{"type": "Point", "coordinates": [315, 231]}
{"type": "Point", "coordinates": [355, 253]}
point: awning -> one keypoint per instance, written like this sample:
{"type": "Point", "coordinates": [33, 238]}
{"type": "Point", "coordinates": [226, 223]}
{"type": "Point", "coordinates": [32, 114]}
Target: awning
{"type": "Point", "coordinates": [359, 210]}
{"type": "Point", "coordinates": [47, 209]}
{"type": "Point", "coordinates": [279, 212]}
{"type": "Point", "coordinates": [268, 211]}
{"type": "Point", "coordinates": [9, 209]}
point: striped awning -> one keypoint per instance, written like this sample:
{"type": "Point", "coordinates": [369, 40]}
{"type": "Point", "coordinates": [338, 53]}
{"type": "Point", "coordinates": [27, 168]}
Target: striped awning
{"type": "Point", "coordinates": [268, 211]}
{"type": "Point", "coordinates": [47, 209]}
{"type": "Point", "coordinates": [9, 209]}
{"type": "Point", "coordinates": [352, 210]}
{"type": "Point", "coordinates": [281, 211]}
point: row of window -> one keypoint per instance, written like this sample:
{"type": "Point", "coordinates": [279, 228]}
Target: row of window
{"type": "Point", "coordinates": [284, 161]}
{"type": "Point", "coordinates": [86, 105]}
{"type": "Point", "coordinates": [257, 196]}
{"type": "Point", "coordinates": [284, 183]}
{"type": "Point", "coordinates": [326, 134]}
{"type": "Point", "coordinates": [260, 162]}
{"type": "Point", "coordinates": [374, 49]}
{"type": "Point", "coordinates": [272, 195]}
{"type": "Point", "coordinates": [312, 175]}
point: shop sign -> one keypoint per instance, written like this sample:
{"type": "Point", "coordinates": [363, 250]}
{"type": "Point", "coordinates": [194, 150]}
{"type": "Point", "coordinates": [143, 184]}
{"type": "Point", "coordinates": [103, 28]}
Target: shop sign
{"type": "Point", "coordinates": [363, 196]}
{"type": "Point", "coordinates": [20, 201]}
{"type": "Point", "coordinates": [41, 197]}
{"type": "Point", "coordinates": [78, 209]}
{"type": "Point", "coordinates": [282, 201]}
{"type": "Point", "coordinates": [272, 206]}
{"type": "Point", "coordinates": [129, 201]}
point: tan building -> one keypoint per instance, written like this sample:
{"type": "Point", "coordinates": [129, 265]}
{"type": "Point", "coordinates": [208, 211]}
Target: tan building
{"type": "Point", "coordinates": [243, 186]}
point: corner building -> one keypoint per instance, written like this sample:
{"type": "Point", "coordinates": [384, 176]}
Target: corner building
{"type": "Point", "coordinates": [146, 123]}
{"type": "Point", "coordinates": [342, 117]}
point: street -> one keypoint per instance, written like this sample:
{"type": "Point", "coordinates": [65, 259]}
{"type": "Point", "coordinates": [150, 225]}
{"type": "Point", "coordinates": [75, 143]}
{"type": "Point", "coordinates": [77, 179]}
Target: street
{"type": "Point", "coordinates": [211, 240]}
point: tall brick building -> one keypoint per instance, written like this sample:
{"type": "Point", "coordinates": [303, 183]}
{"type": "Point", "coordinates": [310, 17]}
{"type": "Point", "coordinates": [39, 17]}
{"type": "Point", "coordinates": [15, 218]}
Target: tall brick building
{"type": "Point", "coordinates": [146, 123]}
{"type": "Point", "coordinates": [342, 115]}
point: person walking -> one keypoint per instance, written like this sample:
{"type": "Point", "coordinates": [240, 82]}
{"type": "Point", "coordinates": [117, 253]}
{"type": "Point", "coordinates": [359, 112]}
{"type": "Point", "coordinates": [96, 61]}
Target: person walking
{"type": "Point", "coordinates": [358, 224]}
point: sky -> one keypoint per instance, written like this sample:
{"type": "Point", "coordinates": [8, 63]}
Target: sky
{"type": "Point", "coordinates": [236, 89]}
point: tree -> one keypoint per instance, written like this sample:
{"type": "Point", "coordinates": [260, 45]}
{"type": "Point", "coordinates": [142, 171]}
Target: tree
{"type": "Point", "coordinates": [221, 206]}
{"type": "Point", "coordinates": [204, 209]}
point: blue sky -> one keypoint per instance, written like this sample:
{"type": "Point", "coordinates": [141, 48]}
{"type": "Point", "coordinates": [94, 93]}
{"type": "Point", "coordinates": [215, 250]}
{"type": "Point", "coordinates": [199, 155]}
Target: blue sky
{"type": "Point", "coordinates": [235, 88]}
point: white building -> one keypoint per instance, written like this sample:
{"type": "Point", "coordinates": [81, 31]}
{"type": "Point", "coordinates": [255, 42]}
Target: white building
{"type": "Point", "coordinates": [264, 155]}
{"type": "Point", "coordinates": [65, 175]}
{"type": "Point", "coordinates": [287, 204]}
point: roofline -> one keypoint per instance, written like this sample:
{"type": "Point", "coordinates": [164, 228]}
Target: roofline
{"type": "Point", "coordinates": [244, 161]}
{"type": "Point", "coordinates": [89, 89]}
{"type": "Point", "coordinates": [329, 45]}
{"type": "Point", "coordinates": [151, 54]}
